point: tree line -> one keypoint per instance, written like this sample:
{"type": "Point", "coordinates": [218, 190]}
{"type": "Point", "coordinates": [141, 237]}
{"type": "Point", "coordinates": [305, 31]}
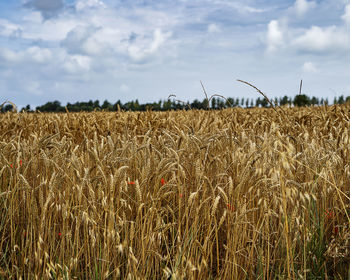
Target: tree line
{"type": "Point", "coordinates": [216, 103]}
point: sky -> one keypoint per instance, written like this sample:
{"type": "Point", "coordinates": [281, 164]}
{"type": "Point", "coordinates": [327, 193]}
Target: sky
{"type": "Point", "coordinates": [76, 50]}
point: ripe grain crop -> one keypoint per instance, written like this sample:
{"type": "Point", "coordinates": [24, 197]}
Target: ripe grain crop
{"type": "Point", "coordinates": [230, 194]}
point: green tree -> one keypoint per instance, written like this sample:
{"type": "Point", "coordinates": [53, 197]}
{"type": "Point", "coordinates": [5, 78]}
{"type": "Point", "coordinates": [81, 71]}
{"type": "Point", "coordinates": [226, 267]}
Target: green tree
{"type": "Point", "coordinates": [51, 107]}
{"type": "Point", "coordinates": [167, 105]}
{"type": "Point", "coordinates": [301, 100]}
{"type": "Point", "coordinates": [196, 104]}
{"type": "Point", "coordinates": [285, 100]}
{"type": "Point", "coordinates": [264, 103]}
{"type": "Point", "coordinates": [96, 104]}
{"type": "Point", "coordinates": [341, 99]}
{"type": "Point", "coordinates": [205, 104]}
{"type": "Point", "coordinates": [230, 102]}
{"type": "Point", "coordinates": [116, 105]}
{"type": "Point", "coordinates": [220, 104]}
{"type": "Point", "coordinates": [107, 106]}
{"type": "Point", "coordinates": [314, 101]}
{"type": "Point", "coordinates": [26, 109]}
{"type": "Point", "coordinates": [258, 102]}
{"type": "Point", "coordinates": [237, 102]}
{"type": "Point", "coordinates": [242, 102]}
{"type": "Point", "coordinates": [7, 108]}
{"type": "Point", "coordinates": [213, 103]}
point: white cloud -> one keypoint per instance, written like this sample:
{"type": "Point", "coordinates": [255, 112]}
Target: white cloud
{"type": "Point", "coordinates": [124, 88]}
{"type": "Point", "coordinates": [255, 10]}
{"type": "Point", "coordinates": [346, 16]}
{"type": "Point", "coordinates": [309, 67]}
{"type": "Point", "coordinates": [99, 32]}
{"type": "Point", "coordinates": [159, 39]}
{"type": "Point", "coordinates": [32, 54]}
{"type": "Point", "coordinates": [77, 63]}
{"type": "Point", "coordinates": [142, 48]}
{"type": "Point", "coordinates": [93, 45]}
{"type": "Point", "coordinates": [39, 55]}
{"type": "Point", "coordinates": [303, 6]}
{"type": "Point", "coordinates": [9, 55]}
{"type": "Point", "coordinates": [33, 87]}
{"type": "Point", "coordinates": [92, 41]}
{"type": "Point", "coordinates": [48, 8]}
{"type": "Point", "coordinates": [53, 30]}
{"type": "Point", "coordinates": [241, 7]}
{"type": "Point", "coordinates": [80, 40]}
{"type": "Point", "coordinates": [88, 4]}
{"type": "Point", "coordinates": [274, 36]}
{"type": "Point", "coordinates": [313, 39]}
{"type": "Point", "coordinates": [9, 29]}
{"type": "Point", "coordinates": [213, 28]}
{"type": "Point", "coordinates": [317, 39]}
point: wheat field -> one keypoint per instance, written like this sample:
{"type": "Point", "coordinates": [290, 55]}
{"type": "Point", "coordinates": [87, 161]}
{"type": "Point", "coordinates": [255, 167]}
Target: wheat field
{"type": "Point", "coordinates": [230, 194]}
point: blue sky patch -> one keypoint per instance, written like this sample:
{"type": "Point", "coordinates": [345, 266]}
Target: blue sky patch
{"type": "Point", "coordinates": [93, 49]}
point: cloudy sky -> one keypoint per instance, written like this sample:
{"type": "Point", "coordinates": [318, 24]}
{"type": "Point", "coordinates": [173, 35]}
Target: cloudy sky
{"type": "Point", "coordinates": [76, 50]}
